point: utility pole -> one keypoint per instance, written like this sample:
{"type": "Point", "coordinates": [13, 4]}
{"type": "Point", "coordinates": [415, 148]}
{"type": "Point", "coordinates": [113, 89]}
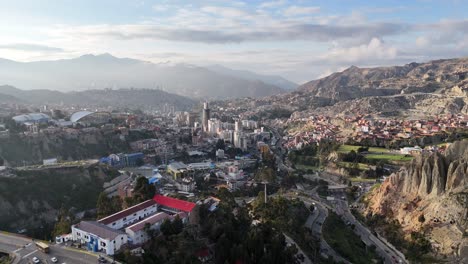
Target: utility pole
{"type": "Point", "coordinates": [266, 195]}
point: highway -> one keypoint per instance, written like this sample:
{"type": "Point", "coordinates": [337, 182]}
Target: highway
{"type": "Point", "coordinates": [340, 206]}
{"type": "Point", "coordinates": [24, 250]}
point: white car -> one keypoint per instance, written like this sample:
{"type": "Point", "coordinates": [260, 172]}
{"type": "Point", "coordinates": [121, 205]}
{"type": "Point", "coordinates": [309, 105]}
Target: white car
{"type": "Point", "coordinates": [36, 260]}
{"type": "Point", "coordinates": [54, 259]}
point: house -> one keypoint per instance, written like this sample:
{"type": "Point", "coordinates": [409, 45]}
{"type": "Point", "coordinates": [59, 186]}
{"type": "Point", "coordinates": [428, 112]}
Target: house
{"type": "Point", "coordinates": [98, 237]}
{"type": "Point", "coordinates": [130, 215]}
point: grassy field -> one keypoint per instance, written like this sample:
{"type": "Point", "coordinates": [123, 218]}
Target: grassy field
{"type": "Point", "coordinates": [348, 148]}
{"type": "Point", "coordinates": [359, 179]}
{"type": "Point", "coordinates": [341, 238]}
{"type": "Point", "coordinates": [388, 157]}
{"type": "Point", "coordinates": [361, 166]}
{"type": "Point", "coordinates": [376, 154]}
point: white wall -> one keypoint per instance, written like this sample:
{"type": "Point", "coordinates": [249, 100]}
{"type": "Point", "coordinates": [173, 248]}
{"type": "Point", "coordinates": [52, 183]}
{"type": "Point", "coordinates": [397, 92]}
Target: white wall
{"type": "Point", "coordinates": [136, 217]}
{"type": "Point", "coordinates": [108, 246]}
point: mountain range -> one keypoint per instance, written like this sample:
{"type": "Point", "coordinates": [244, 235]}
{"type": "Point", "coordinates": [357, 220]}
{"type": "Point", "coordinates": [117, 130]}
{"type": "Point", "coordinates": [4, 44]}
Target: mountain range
{"type": "Point", "coordinates": [412, 90]}
{"type": "Point", "coordinates": [123, 98]}
{"type": "Point", "coordinates": [106, 71]}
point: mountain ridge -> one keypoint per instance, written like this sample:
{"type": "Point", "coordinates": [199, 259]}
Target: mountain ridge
{"type": "Point", "coordinates": [244, 74]}
{"type": "Point", "coordinates": [131, 98]}
{"type": "Point", "coordinates": [106, 71]}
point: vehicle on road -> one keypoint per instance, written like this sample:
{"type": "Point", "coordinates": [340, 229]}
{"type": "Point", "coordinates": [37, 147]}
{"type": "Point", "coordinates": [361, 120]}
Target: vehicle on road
{"type": "Point", "coordinates": [42, 246]}
{"type": "Point", "coordinates": [102, 259]}
{"type": "Point", "coordinates": [54, 259]}
{"type": "Point", "coordinates": [36, 260]}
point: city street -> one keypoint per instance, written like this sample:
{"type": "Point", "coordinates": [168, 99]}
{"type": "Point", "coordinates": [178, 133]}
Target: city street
{"type": "Point", "coordinates": [25, 250]}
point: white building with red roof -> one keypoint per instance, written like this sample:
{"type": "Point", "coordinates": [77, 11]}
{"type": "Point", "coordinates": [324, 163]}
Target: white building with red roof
{"type": "Point", "coordinates": [173, 205]}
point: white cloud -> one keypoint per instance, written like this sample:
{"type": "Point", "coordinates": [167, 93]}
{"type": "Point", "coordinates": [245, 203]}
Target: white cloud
{"type": "Point", "coordinates": [374, 51]}
{"type": "Point", "coordinates": [272, 4]}
{"type": "Point", "coordinates": [30, 47]}
{"type": "Point", "coordinates": [301, 10]}
{"type": "Point", "coordinates": [160, 7]}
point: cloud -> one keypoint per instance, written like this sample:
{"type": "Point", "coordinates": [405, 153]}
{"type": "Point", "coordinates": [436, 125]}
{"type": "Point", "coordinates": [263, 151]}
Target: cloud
{"type": "Point", "coordinates": [30, 47]}
{"type": "Point", "coordinates": [313, 32]}
{"type": "Point", "coordinates": [272, 4]}
{"type": "Point", "coordinates": [160, 7]}
{"type": "Point", "coordinates": [375, 50]}
{"type": "Point", "coordinates": [300, 10]}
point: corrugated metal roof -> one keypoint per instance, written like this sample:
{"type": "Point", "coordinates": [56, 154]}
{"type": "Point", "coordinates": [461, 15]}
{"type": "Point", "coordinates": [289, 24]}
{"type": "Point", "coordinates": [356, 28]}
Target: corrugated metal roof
{"type": "Point", "coordinates": [99, 229]}
{"type": "Point", "coordinates": [174, 203]}
{"type": "Point", "coordinates": [124, 213]}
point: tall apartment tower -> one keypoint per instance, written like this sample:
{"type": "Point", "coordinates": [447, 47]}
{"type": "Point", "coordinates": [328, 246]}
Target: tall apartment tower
{"type": "Point", "coordinates": [238, 126]}
{"type": "Point", "coordinates": [206, 116]}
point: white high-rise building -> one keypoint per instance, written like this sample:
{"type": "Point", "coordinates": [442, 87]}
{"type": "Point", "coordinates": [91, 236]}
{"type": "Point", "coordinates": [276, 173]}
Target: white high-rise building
{"type": "Point", "coordinates": [238, 126]}
{"type": "Point", "coordinates": [214, 126]}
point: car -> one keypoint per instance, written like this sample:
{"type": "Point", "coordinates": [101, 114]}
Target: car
{"type": "Point", "coordinates": [36, 260]}
{"type": "Point", "coordinates": [54, 259]}
{"type": "Point", "coordinates": [102, 259]}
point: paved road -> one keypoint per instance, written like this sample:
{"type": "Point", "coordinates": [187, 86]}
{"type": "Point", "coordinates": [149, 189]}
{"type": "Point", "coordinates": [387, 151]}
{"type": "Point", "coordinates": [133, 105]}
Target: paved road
{"type": "Point", "coordinates": [315, 223]}
{"type": "Point", "coordinates": [24, 250]}
{"type": "Point", "coordinates": [299, 250]}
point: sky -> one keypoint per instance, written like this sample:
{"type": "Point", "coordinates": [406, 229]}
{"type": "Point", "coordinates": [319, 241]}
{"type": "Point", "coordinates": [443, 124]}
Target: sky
{"type": "Point", "coordinates": [297, 39]}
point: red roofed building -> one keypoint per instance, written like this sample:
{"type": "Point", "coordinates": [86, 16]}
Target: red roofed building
{"type": "Point", "coordinates": [173, 205]}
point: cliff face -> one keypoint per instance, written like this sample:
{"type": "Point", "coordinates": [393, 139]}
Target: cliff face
{"type": "Point", "coordinates": [63, 145]}
{"type": "Point", "coordinates": [31, 198]}
{"type": "Point", "coordinates": [436, 187]}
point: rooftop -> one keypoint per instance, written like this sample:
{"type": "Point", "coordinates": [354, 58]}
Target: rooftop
{"type": "Point", "coordinates": [99, 229]}
{"type": "Point", "coordinates": [124, 213]}
{"type": "Point", "coordinates": [150, 220]}
{"type": "Point", "coordinates": [177, 166]}
{"type": "Point", "coordinates": [174, 203]}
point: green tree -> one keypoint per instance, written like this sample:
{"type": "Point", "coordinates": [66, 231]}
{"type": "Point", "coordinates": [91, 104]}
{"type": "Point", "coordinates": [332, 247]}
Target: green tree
{"type": "Point", "coordinates": [63, 225]}
{"type": "Point", "coordinates": [266, 174]}
{"type": "Point", "coordinates": [143, 190]}
{"type": "Point", "coordinates": [104, 206]}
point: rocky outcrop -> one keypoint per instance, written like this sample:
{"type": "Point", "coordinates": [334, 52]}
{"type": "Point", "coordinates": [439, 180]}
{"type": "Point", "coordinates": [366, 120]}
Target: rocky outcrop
{"type": "Point", "coordinates": [434, 185]}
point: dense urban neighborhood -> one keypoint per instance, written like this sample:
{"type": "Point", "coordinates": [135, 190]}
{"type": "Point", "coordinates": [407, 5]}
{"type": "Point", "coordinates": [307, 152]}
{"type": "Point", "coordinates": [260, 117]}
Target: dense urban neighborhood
{"type": "Point", "coordinates": [234, 132]}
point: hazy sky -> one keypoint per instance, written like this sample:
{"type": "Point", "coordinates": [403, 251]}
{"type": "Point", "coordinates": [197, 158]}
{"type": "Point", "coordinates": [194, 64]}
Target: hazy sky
{"type": "Point", "coordinates": [300, 40]}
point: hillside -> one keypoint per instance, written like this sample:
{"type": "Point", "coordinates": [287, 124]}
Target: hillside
{"type": "Point", "coordinates": [83, 145]}
{"type": "Point", "coordinates": [248, 75]}
{"type": "Point", "coordinates": [431, 77]}
{"type": "Point", "coordinates": [105, 71]}
{"type": "Point", "coordinates": [6, 98]}
{"type": "Point", "coordinates": [30, 199]}
{"type": "Point", "coordinates": [430, 195]}
{"type": "Point", "coordinates": [131, 98]}
{"type": "Point", "coordinates": [414, 90]}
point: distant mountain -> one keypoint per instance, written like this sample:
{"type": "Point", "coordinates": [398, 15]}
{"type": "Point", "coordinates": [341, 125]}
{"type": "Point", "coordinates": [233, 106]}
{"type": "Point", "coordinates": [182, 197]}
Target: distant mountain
{"type": "Point", "coordinates": [126, 98]}
{"type": "Point", "coordinates": [247, 75]}
{"type": "Point", "coordinates": [354, 82]}
{"type": "Point", "coordinates": [107, 71]}
{"type": "Point", "coordinates": [5, 98]}
{"type": "Point", "coordinates": [412, 90]}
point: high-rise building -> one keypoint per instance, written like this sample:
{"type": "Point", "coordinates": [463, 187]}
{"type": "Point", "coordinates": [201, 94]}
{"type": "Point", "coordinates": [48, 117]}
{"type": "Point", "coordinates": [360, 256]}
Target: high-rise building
{"type": "Point", "coordinates": [238, 126]}
{"type": "Point", "coordinates": [206, 116]}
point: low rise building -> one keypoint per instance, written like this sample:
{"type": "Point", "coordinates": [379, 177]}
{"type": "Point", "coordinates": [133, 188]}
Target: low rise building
{"type": "Point", "coordinates": [98, 237]}
{"type": "Point", "coordinates": [130, 215]}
